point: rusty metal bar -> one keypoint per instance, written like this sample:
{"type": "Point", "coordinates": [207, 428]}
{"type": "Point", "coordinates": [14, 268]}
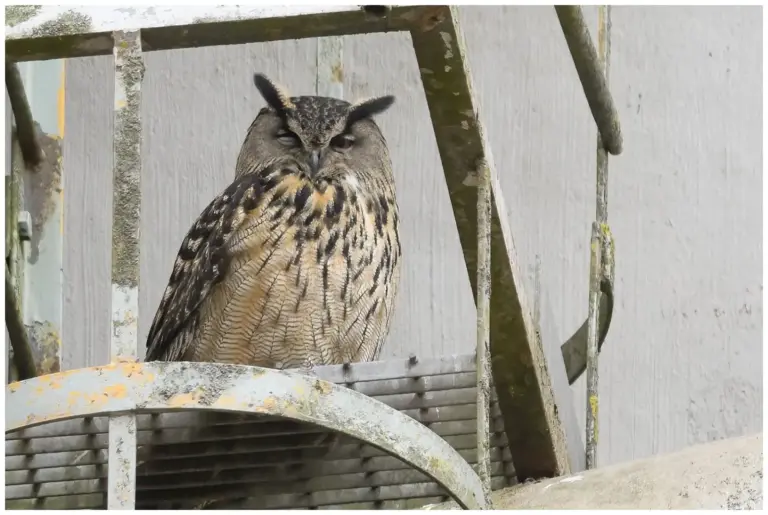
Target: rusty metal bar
{"type": "Point", "coordinates": [145, 387]}
{"type": "Point", "coordinates": [520, 371]}
{"type": "Point", "coordinates": [31, 150]}
{"type": "Point", "coordinates": [601, 253]}
{"type": "Point", "coordinates": [126, 211]}
{"type": "Point", "coordinates": [591, 75]}
{"type": "Point", "coordinates": [483, 350]}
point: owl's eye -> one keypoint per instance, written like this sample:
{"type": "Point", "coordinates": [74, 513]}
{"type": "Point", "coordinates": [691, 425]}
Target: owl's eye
{"type": "Point", "coordinates": [287, 138]}
{"type": "Point", "coordinates": [342, 142]}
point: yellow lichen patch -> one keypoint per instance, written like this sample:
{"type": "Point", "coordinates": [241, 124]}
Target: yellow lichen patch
{"type": "Point", "coordinates": [117, 391]}
{"type": "Point", "coordinates": [594, 408]}
{"type": "Point", "coordinates": [54, 381]}
{"type": "Point", "coordinates": [225, 401]}
{"type": "Point", "coordinates": [323, 387]}
{"type": "Point", "coordinates": [270, 403]}
{"type": "Point", "coordinates": [96, 399]}
{"type": "Point", "coordinates": [14, 386]}
{"type": "Point", "coordinates": [182, 400]}
{"type": "Point", "coordinates": [73, 398]}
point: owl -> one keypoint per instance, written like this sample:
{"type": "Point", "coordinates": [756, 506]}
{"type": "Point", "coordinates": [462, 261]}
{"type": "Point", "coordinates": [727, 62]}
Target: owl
{"type": "Point", "coordinates": [297, 262]}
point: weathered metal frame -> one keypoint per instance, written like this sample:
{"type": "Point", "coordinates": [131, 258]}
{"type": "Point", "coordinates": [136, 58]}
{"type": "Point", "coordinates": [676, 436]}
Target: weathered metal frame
{"type": "Point", "coordinates": [63, 465]}
{"type": "Point", "coordinates": [131, 388]}
{"type": "Point", "coordinates": [521, 374]}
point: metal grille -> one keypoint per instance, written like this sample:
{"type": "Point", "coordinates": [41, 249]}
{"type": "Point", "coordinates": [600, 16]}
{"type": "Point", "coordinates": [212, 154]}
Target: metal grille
{"type": "Point", "coordinates": [276, 463]}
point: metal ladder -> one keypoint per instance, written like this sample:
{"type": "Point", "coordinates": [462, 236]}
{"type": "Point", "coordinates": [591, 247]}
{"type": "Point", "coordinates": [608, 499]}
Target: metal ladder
{"type": "Point", "coordinates": [532, 397]}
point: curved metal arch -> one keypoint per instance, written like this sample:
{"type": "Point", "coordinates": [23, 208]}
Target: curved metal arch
{"type": "Point", "coordinates": [147, 387]}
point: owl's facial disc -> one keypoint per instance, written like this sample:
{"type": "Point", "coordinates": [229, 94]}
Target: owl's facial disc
{"type": "Point", "coordinates": [326, 134]}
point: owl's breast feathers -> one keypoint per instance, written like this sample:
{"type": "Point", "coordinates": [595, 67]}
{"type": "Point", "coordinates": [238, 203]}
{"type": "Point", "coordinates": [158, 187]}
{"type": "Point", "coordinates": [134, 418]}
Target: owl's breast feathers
{"type": "Point", "coordinates": [280, 272]}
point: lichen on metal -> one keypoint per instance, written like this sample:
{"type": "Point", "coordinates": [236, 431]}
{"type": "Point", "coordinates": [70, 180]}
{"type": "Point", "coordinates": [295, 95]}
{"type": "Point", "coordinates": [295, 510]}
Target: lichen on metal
{"type": "Point", "coordinates": [126, 212]}
{"type": "Point", "coordinates": [129, 71]}
{"type": "Point", "coordinates": [57, 32]}
{"type": "Point", "coordinates": [15, 14]}
{"type": "Point", "coordinates": [483, 350]}
{"type": "Point", "coordinates": [601, 255]}
{"type": "Point", "coordinates": [147, 387]}
{"type": "Point", "coordinates": [520, 371]}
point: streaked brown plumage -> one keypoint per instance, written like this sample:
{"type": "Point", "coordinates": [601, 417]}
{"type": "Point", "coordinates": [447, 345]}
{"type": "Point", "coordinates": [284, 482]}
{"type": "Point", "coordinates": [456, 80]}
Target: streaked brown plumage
{"type": "Point", "coordinates": [297, 262]}
{"type": "Point", "coordinates": [294, 264]}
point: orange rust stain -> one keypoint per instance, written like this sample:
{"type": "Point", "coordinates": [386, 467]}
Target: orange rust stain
{"type": "Point", "coordinates": [118, 391]}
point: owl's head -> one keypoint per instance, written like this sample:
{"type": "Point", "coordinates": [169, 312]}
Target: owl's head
{"type": "Point", "coordinates": [328, 137]}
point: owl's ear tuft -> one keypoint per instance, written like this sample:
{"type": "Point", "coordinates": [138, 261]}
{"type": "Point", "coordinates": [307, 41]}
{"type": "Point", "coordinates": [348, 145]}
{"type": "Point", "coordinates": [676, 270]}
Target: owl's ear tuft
{"type": "Point", "coordinates": [275, 96]}
{"type": "Point", "coordinates": [369, 108]}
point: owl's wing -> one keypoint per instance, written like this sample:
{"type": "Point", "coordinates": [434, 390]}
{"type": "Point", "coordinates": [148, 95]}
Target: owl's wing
{"type": "Point", "coordinates": [201, 263]}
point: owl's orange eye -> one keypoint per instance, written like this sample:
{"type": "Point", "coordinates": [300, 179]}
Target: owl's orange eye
{"type": "Point", "coordinates": [287, 138]}
{"type": "Point", "coordinates": [343, 142]}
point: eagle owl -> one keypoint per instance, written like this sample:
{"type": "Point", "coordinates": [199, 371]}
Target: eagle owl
{"type": "Point", "coordinates": [297, 262]}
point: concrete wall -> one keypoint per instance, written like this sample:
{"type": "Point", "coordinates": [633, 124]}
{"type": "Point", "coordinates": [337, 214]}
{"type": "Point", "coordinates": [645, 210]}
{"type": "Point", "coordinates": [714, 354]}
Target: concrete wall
{"type": "Point", "coordinates": [682, 363]}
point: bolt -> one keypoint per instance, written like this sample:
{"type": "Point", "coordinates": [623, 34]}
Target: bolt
{"type": "Point", "coordinates": [25, 226]}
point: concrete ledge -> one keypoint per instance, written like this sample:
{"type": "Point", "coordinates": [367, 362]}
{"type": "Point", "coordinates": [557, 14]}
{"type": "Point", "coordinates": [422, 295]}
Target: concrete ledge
{"type": "Point", "coordinates": [727, 474]}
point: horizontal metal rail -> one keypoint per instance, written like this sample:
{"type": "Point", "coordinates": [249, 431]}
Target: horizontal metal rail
{"type": "Point", "coordinates": [144, 387]}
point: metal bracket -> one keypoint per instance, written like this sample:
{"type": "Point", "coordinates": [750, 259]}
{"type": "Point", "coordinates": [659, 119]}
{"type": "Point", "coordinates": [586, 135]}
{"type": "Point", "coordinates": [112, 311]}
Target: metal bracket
{"type": "Point", "coordinates": [25, 226]}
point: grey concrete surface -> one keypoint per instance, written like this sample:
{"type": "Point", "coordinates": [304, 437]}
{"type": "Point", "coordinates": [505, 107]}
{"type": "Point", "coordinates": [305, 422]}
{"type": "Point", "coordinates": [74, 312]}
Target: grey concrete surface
{"type": "Point", "coordinates": [683, 361]}
{"type": "Point", "coordinates": [727, 474]}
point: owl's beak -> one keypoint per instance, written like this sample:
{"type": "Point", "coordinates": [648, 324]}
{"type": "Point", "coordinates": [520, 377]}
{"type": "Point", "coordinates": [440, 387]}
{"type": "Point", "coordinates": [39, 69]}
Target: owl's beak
{"type": "Point", "coordinates": [314, 162]}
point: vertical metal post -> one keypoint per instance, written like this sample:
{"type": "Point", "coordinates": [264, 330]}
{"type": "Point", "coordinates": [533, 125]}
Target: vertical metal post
{"type": "Point", "coordinates": [330, 67]}
{"type": "Point", "coordinates": [483, 351]}
{"type": "Point", "coordinates": [126, 209]}
{"type": "Point", "coordinates": [599, 243]}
